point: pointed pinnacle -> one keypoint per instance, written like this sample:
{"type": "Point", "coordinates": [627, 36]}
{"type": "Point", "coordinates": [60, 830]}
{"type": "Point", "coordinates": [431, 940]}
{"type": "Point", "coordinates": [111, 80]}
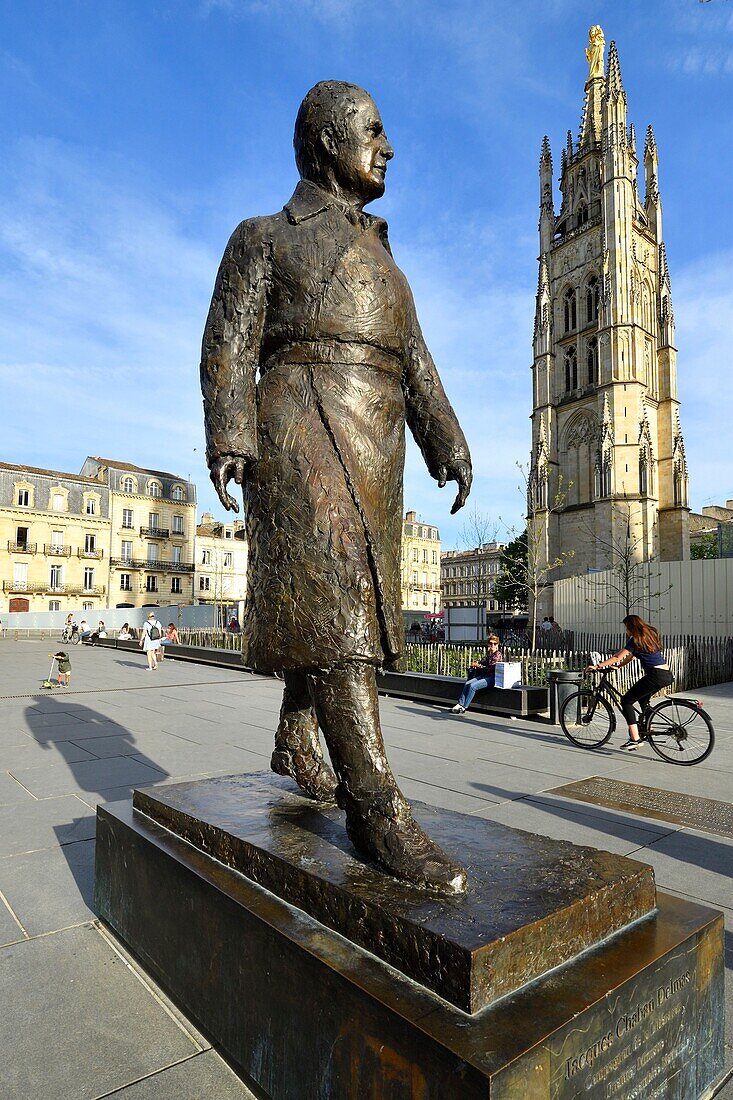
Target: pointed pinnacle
{"type": "Point", "coordinates": [569, 144]}
{"type": "Point", "coordinates": [546, 153]}
{"type": "Point", "coordinates": [650, 148]}
{"type": "Point", "coordinates": [614, 84]}
{"type": "Point", "coordinates": [543, 280]}
{"type": "Point", "coordinates": [632, 138]}
{"type": "Point", "coordinates": [663, 265]}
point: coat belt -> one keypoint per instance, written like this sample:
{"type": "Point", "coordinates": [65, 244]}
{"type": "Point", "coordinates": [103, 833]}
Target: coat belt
{"type": "Point", "coordinates": [337, 352]}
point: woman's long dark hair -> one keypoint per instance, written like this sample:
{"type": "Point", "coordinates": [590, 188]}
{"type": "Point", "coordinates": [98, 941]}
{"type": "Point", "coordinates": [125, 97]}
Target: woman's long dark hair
{"type": "Point", "coordinates": [646, 638]}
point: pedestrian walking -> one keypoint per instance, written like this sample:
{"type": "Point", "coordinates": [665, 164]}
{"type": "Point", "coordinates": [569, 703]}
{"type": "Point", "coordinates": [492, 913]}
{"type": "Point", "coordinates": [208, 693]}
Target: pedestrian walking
{"type": "Point", "coordinates": [150, 640]}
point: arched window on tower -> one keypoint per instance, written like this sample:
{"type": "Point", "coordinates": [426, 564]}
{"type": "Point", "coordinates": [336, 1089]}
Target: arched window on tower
{"type": "Point", "coordinates": [571, 369]}
{"type": "Point", "coordinates": [570, 309]}
{"type": "Point", "coordinates": [602, 486]}
{"type": "Point", "coordinates": [643, 474]}
{"type": "Point", "coordinates": [680, 486]}
{"type": "Point", "coordinates": [582, 215]}
{"type": "Point", "coordinates": [591, 299]}
{"type": "Point", "coordinates": [591, 359]}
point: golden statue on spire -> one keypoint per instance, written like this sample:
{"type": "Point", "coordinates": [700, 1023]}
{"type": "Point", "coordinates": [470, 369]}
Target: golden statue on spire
{"type": "Point", "coordinates": [594, 53]}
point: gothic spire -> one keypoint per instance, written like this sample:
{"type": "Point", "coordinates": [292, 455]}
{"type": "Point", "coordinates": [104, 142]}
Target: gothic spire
{"type": "Point", "coordinates": [614, 84]}
{"type": "Point", "coordinates": [650, 146]}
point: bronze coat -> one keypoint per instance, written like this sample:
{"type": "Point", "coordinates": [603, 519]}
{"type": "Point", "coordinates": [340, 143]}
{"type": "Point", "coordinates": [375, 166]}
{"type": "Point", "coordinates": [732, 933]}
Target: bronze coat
{"type": "Point", "coordinates": [315, 301]}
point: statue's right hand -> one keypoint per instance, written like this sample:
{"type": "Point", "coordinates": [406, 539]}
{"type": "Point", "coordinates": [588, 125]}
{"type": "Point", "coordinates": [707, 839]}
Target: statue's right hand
{"type": "Point", "coordinates": [222, 470]}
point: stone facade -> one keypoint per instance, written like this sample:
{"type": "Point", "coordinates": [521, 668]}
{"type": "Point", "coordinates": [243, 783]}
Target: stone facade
{"type": "Point", "coordinates": [608, 457]}
{"type": "Point", "coordinates": [221, 565]}
{"type": "Point", "coordinates": [152, 518]}
{"type": "Point", "coordinates": [54, 540]}
{"type": "Point", "coordinates": [468, 577]}
{"type": "Point", "coordinates": [420, 566]}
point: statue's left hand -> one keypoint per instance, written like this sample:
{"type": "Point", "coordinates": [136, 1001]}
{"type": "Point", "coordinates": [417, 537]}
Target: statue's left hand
{"type": "Point", "coordinates": [459, 471]}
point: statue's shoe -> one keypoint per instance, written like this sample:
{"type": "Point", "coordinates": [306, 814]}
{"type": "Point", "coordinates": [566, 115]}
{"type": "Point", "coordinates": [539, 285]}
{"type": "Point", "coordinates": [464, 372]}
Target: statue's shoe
{"type": "Point", "coordinates": [402, 848]}
{"type": "Point", "coordinates": [310, 772]}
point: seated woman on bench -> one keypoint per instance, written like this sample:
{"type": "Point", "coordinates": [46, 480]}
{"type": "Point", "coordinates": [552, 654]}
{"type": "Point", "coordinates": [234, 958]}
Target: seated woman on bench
{"type": "Point", "coordinates": [481, 675]}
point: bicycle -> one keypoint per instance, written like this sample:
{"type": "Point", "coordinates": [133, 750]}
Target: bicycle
{"type": "Point", "coordinates": [70, 635]}
{"type": "Point", "coordinates": [678, 730]}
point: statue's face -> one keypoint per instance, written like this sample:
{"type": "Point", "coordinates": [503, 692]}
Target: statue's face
{"type": "Point", "coordinates": [362, 152]}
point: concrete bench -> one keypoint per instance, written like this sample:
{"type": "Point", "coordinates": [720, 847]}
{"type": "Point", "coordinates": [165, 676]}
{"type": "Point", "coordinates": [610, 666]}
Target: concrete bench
{"type": "Point", "coordinates": [519, 701]}
{"type": "Point", "coordinates": [220, 658]}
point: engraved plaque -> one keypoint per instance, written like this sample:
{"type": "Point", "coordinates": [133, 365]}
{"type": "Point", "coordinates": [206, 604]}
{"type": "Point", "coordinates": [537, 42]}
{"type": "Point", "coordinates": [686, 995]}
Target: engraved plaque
{"type": "Point", "coordinates": [706, 814]}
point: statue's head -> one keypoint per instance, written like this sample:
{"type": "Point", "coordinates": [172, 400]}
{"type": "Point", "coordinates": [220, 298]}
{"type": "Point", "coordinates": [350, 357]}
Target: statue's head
{"type": "Point", "coordinates": [340, 142]}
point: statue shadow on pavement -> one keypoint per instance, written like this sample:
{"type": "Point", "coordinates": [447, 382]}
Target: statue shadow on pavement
{"type": "Point", "coordinates": [105, 765]}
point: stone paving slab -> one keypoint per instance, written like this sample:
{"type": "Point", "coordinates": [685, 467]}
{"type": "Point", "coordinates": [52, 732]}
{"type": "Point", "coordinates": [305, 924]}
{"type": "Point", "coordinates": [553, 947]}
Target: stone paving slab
{"type": "Point", "coordinates": [82, 1022]}
{"type": "Point", "coordinates": [10, 930]}
{"type": "Point", "coordinates": [11, 791]}
{"type": "Point", "coordinates": [46, 824]}
{"type": "Point", "coordinates": [50, 889]}
{"type": "Point", "coordinates": [204, 1075]}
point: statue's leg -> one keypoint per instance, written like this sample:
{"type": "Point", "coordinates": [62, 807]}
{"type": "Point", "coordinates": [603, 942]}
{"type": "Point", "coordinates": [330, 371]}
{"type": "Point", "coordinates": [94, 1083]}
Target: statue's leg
{"type": "Point", "coordinates": [297, 748]}
{"type": "Point", "coordinates": [379, 820]}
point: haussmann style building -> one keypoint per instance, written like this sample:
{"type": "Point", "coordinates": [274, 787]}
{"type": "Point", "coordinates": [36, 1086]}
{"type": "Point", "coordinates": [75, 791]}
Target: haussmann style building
{"type": "Point", "coordinates": [221, 566]}
{"type": "Point", "coordinates": [419, 569]}
{"type": "Point", "coordinates": [608, 457]}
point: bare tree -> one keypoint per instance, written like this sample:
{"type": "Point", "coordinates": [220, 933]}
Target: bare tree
{"type": "Point", "coordinates": [628, 582]}
{"type": "Point", "coordinates": [526, 567]}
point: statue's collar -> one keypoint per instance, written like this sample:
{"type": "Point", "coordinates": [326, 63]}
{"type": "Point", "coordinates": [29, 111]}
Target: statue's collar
{"type": "Point", "coordinates": [309, 200]}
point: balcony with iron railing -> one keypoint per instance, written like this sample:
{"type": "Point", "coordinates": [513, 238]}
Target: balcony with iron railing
{"type": "Point", "coordinates": [158, 565]}
{"type": "Point", "coordinates": [15, 547]}
{"type": "Point", "coordinates": [36, 588]}
{"type": "Point", "coordinates": [154, 533]}
{"type": "Point", "coordinates": [55, 551]}
{"type": "Point", "coordinates": [84, 553]}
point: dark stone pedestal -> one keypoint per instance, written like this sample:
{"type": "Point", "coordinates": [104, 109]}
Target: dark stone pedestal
{"type": "Point", "coordinates": [307, 1014]}
{"type": "Point", "coordinates": [532, 903]}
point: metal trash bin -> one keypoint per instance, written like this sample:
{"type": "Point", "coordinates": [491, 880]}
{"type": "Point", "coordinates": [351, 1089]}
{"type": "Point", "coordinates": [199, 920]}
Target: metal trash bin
{"type": "Point", "coordinates": [562, 685]}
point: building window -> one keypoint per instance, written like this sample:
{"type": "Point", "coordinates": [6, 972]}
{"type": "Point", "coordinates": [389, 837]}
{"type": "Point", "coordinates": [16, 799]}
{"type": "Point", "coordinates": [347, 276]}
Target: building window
{"type": "Point", "coordinates": [152, 551]}
{"type": "Point", "coordinates": [151, 584]}
{"type": "Point", "coordinates": [178, 493]}
{"type": "Point", "coordinates": [58, 502]}
{"type": "Point", "coordinates": [153, 520]}
{"type": "Point", "coordinates": [227, 561]}
{"type": "Point", "coordinates": [582, 215]}
{"type": "Point", "coordinates": [206, 557]}
{"type": "Point", "coordinates": [177, 527]}
{"type": "Point", "coordinates": [125, 582]}
{"type": "Point", "coordinates": [128, 485]}
{"type": "Point", "coordinates": [56, 579]}
{"type": "Point", "coordinates": [87, 605]}
{"type": "Point", "coordinates": [24, 498]}
{"type": "Point", "coordinates": [592, 361]}
{"type": "Point", "coordinates": [435, 557]}
{"type": "Point", "coordinates": [91, 506]}
{"type": "Point", "coordinates": [176, 554]}
{"type": "Point", "coordinates": [570, 309]}
{"type": "Point", "coordinates": [591, 300]}
{"type": "Point", "coordinates": [176, 585]}
{"type": "Point", "coordinates": [90, 544]}
{"type": "Point", "coordinates": [21, 538]}
{"type": "Point", "coordinates": [126, 550]}
{"type": "Point", "coordinates": [571, 370]}
{"type": "Point", "coordinates": [643, 476]}
{"type": "Point", "coordinates": [415, 553]}
{"type": "Point", "coordinates": [88, 578]}
{"type": "Point", "coordinates": [204, 584]}
{"type": "Point", "coordinates": [127, 517]}
{"type": "Point", "coordinates": [54, 605]}
{"type": "Point", "coordinates": [154, 489]}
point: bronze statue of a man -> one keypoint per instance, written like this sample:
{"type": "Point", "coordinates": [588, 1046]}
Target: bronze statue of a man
{"type": "Point", "coordinates": [312, 300]}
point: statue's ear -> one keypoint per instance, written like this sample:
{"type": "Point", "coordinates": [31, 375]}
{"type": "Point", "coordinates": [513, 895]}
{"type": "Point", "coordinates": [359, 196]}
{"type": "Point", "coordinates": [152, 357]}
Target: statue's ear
{"type": "Point", "coordinates": [329, 140]}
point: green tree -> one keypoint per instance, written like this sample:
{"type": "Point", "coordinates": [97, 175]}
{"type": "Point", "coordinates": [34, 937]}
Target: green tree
{"type": "Point", "coordinates": [706, 546]}
{"type": "Point", "coordinates": [513, 565]}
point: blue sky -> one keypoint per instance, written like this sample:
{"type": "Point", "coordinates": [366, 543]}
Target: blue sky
{"type": "Point", "coordinates": [135, 134]}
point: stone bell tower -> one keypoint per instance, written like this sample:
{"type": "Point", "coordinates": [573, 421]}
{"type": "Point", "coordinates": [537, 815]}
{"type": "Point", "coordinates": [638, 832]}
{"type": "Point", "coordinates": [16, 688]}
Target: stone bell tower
{"type": "Point", "coordinates": [606, 437]}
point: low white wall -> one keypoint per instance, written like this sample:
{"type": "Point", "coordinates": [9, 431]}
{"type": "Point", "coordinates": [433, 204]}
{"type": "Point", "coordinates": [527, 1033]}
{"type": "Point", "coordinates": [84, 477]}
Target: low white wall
{"type": "Point", "coordinates": [188, 615]}
{"type": "Point", "coordinates": [692, 597]}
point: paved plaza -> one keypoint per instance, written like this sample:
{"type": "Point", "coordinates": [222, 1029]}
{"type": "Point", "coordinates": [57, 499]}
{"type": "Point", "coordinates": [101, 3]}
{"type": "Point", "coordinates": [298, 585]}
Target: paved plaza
{"type": "Point", "coordinates": [82, 1021]}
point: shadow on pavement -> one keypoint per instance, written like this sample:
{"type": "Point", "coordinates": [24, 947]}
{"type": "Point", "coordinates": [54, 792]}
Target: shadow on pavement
{"type": "Point", "coordinates": [78, 724]}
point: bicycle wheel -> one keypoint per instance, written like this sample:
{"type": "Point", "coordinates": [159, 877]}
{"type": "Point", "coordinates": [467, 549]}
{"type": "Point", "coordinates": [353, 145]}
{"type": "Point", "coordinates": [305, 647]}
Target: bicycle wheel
{"type": "Point", "coordinates": [680, 732]}
{"type": "Point", "coordinates": [587, 720]}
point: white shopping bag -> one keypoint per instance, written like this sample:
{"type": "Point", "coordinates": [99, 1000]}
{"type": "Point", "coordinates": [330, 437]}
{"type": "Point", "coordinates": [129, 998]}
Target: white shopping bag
{"type": "Point", "coordinates": [508, 674]}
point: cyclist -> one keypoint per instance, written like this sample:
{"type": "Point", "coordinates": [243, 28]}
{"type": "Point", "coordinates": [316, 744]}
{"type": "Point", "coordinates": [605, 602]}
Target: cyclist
{"type": "Point", "coordinates": [644, 643]}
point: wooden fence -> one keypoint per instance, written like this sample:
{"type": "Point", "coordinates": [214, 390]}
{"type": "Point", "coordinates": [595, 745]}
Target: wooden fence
{"type": "Point", "coordinates": [695, 662]}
